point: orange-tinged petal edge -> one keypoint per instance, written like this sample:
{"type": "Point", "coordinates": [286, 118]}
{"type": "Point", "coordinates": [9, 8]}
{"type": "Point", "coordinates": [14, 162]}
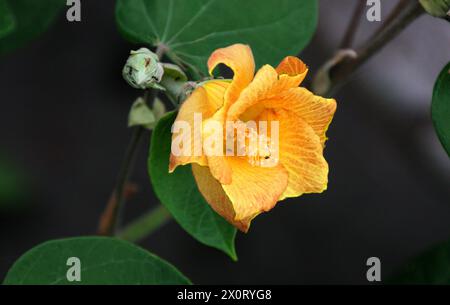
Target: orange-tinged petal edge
{"type": "Point", "coordinates": [239, 58]}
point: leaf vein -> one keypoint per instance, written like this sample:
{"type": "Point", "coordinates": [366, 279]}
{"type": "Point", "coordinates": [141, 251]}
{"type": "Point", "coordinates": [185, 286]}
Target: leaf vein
{"type": "Point", "coordinates": [192, 20]}
{"type": "Point", "coordinates": [226, 32]}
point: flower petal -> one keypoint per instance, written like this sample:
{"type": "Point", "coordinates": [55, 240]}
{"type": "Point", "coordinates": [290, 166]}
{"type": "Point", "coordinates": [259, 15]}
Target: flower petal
{"type": "Point", "coordinates": [214, 194]}
{"type": "Point", "coordinates": [220, 169]}
{"type": "Point", "coordinates": [262, 87]}
{"type": "Point", "coordinates": [267, 84]}
{"type": "Point", "coordinates": [204, 100]}
{"type": "Point", "coordinates": [217, 163]}
{"type": "Point", "coordinates": [239, 58]}
{"type": "Point", "coordinates": [314, 110]}
{"type": "Point", "coordinates": [292, 66]}
{"type": "Point", "coordinates": [293, 70]}
{"type": "Point", "coordinates": [254, 189]}
{"type": "Point", "coordinates": [300, 153]}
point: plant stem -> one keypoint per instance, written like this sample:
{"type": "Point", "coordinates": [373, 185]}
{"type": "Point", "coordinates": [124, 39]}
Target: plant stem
{"type": "Point", "coordinates": [396, 11]}
{"type": "Point", "coordinates": [349, 36]}
{"type": "Point", "coordinates": [342, 71]}
{"type": "Point", "coordinates": [161, 50]}
{"type": "Point", "coordinates": [112, 216]}
{"type": "Point", "coordinates": [145, 224]}
{"type": "Point", "coordinates": [124, 174]}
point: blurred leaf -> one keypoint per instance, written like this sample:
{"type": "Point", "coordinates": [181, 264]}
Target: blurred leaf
{"type": "Point", "coordinates": [7, 22]}
{"type": "Point", "coordinates": [141, 115]}
{"type": "Point", "coordinates": [193, 29]}
{"type": "Point", "coordinates": [103, 260]}
{"type": "Point", "coordinates": [12, 188]}
{"type": "Point", "coordinates": [178, 192]}
{"type": "Point", "coordinates": [159, 109]}
{"type": "Point", "coordinates": [440, 107]}
{"type": "Point", "coordinates": [436, 8]}
{"type": "Point", "coordinates": [31, 19]}
{"type": "Point", "coordinates": [431, 267]}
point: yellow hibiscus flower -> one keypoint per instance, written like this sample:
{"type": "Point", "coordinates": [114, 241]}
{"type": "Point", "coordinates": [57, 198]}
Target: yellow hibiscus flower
{"type": "Point", "coordinates": [236, 188]}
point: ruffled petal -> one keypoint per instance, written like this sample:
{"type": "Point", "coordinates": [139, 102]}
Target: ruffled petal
{"type": "Point", "coordinates": [291, 69]}
{"type": "Point", "coordinates": [262, 87]}
{"type": "Point", "coordinates": [254, 189]}
{"type": "Point", "coordinates": [267, 83]}
{"type": "Point", "coordinates": [300, 153]}
{"type": "Point", "coordinates": [214, 194]}
{"type": "Point", "coordinates": [203, 101]}
{"type": "Point", "coordinates": [314, 110]}
{"type": "Point", "coordinates": [239, 58]}
{"type": "Point", "coordinates": [216, 159]}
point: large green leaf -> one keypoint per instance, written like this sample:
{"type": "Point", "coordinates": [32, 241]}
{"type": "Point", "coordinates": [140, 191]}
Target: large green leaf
{"type": "Point", "coordinates": [31, 18]}
{"type": "Point", "coordinates": [440, 107]}
{"type": "Point", "coordinates": [103, 261]}
{"type": "Point", "coordinates": [431, 267]}
{"type": "Point", "coordinates": [7, 22]}
{"type": "Point", "coordinates": [193, 29]}
{"type": "Point", "coordinates": [179, 193]}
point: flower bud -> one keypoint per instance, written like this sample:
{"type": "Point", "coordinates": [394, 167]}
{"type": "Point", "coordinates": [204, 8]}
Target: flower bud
{"type": "Point", "coordinates": [436, 8]}
{"type": "Point", "coordinates": [143, 70]}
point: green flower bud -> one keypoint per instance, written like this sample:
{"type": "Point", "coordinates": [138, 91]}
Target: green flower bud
{"type": "Point", "coordinates": [143, 70]}
{"type": "Point", "coordinates": [437, 8]}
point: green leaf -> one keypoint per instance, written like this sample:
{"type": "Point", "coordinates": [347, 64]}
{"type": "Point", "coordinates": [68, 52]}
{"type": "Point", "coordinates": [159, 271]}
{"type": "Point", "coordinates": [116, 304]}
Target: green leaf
{"type": "Point", "coordinates": [31, 19]}
{"type": "Point", "coordinates": [193, 29]}
{"type": "Point", "coordinates": [179, 193]}
{"type": "Point", "coordinates": [103, 261]}
{"type": "Point", "coordinates": [440, 107]}
{"type": "Point", "coordinates": [7, 21]}
{"type": "Point", "coordinates": [431, 267]}
{"type": "Point", "coordinates": [159, 109]}
{"type": "Point", "coordinates": [141, 115]}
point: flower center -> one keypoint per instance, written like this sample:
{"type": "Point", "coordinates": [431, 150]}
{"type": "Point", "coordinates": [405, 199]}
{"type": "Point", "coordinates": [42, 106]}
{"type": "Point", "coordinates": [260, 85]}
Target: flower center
{"type": "Point", "coordinates": [256, 146]}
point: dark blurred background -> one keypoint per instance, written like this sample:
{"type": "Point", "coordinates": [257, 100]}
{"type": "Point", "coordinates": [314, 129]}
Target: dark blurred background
{"type": "Point", "coordinates": [63, 120]}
